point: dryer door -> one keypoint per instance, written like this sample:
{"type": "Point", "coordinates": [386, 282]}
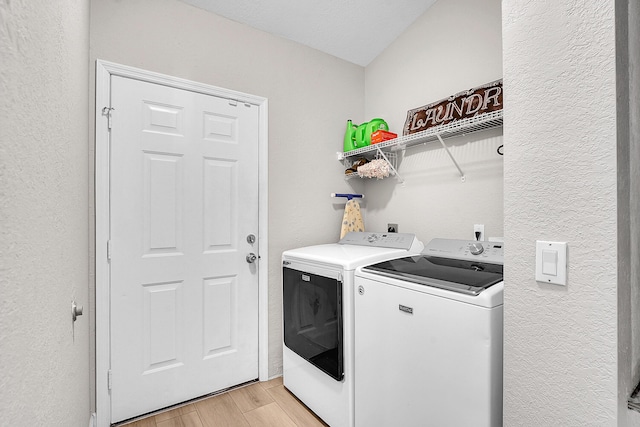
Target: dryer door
{"type": "Point", "coordinates": [313, 319]}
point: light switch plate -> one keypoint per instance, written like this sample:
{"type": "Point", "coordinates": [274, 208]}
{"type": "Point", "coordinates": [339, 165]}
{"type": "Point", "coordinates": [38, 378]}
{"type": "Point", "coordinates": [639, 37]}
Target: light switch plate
{"type": "Point", "coordinates": [551, 262]}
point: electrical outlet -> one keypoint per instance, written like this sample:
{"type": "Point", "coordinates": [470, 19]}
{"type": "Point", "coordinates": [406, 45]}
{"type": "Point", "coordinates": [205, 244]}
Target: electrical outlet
{"type": "Point", "coordinates": [392, 228]}
{"type": "Point", "coordinates": [478, 232]}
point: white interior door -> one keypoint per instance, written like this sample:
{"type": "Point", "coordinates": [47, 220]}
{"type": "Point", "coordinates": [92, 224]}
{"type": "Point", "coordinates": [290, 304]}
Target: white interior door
{"type": "Point", "coordinates": [184, 198]}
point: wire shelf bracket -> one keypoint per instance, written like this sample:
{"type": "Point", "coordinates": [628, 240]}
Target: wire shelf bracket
{"type": "Point", "coordinates": [462, 177]}
{"type": "Point", "coordinates": [395, 171]}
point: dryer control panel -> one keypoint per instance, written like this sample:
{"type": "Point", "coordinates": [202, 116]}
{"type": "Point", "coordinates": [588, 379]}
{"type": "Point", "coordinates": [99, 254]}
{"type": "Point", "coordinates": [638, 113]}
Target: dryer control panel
{"type": "Point", "coordinates": [489, 252]}
{"type": "Point", "coordinates": [406, 241]}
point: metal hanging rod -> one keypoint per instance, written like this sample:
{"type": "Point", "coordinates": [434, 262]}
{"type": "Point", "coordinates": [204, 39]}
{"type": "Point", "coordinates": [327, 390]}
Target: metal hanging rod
{"type": "Point", "coordinates": [349, 196]}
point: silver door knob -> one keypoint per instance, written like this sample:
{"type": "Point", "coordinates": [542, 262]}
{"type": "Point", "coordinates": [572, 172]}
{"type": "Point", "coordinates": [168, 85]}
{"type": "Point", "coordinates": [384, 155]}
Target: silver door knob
{"type": "Point", "coordinates": [76, 310]}
{"type": "Point", "coordinates": [251, 258]}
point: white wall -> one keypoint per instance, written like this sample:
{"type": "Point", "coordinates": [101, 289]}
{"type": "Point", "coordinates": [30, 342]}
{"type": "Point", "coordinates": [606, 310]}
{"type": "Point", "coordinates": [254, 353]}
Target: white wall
{"type": "Point", "coordinates": [310, 96]}
{"type": "Point", "coordinates": [560, 177]}
{"type": "Point", "coordinates": [454, 46]}
{"type": "Point", "coordinates": [44, 368]}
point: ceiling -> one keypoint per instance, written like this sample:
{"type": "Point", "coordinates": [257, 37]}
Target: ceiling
{"type": "Point", "coordinates": [354, 30]}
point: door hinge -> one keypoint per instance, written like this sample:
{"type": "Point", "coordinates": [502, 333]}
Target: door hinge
{"type": "Point", "coordinates": [106, 111]}
{"type": "Point", "coordinates": [109, 379]}
{"type": "Point", "coordinates": [108, 250]}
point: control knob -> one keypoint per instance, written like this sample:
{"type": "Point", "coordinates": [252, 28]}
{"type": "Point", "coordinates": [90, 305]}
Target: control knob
{"type": "Point", "coordinates": [476, 248]}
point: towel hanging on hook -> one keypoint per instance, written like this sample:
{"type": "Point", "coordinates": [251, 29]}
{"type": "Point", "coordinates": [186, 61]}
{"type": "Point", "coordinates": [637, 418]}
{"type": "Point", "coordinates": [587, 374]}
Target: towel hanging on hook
{"type": "Point", "coordinates": [352, 218]}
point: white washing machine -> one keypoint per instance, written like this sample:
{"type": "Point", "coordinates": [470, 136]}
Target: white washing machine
{"type": "Point", "coordinates": [318, 290]}
{"type": "Point", "coordinates": [428, 338]}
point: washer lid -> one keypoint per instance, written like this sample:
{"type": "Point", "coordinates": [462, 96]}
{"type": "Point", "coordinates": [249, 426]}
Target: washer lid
{"type": "Point", "coordinates": [346, 256]}
{"type": "Point", "coordinates": [467, 277]}
{"type": "Point", "coordinates": [358, 248]}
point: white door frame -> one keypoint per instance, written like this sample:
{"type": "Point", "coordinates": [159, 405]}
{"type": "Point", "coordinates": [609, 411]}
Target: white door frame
{"type": "Point", "coordinates": [104, 71]}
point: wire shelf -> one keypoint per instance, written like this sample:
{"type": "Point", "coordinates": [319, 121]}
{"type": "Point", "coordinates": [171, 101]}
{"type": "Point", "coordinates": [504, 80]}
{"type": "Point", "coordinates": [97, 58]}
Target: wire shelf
{"type": "Point", "coordinates": [459, 127]}
{"type": "Point", "coordinates": [392, 159]}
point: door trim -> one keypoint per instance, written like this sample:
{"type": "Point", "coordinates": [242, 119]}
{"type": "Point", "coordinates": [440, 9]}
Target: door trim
{"type": "Point", "coordinates": [104, 71]}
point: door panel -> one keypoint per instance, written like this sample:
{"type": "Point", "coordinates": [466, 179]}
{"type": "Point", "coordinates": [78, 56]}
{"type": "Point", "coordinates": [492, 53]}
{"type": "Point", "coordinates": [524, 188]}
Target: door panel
{"type": "Point", "coordinates": [220, 184]}
{"type": "Point", "coordinates": [163, 307]}
{"type": "Point", "coordinates": [163, 199]}
{"type": "Point", "coordinates": [219, 300]}
{"type": "Point", "coordinates": [184, 196]}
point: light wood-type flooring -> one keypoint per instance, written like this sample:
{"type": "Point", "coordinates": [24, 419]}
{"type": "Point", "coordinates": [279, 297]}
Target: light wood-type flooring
{"type": "Point", "coordinates": [265, 404]}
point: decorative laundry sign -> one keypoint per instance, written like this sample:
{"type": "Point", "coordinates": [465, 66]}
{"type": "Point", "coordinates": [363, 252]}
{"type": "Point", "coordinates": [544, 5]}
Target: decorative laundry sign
{"type": "Point", "coordinates": [469, 103]}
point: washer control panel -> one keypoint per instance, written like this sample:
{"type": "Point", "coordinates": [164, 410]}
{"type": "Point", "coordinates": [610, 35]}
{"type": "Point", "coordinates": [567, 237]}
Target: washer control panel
{"type": "Point", "coordinates": [406, 241]}
{"type": "Point", "coordinates": [490, 252]}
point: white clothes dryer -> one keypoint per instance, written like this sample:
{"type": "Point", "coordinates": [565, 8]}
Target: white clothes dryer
{"type": "Point", "coordinates": [428, 338]}
{"type": "Point", "coordinates": [318, 291]}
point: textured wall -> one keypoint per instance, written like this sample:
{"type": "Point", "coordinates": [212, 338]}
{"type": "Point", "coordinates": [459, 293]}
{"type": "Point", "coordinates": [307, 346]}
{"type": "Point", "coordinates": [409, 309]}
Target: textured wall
{"type": "Point", "coordinates": [560, 184]}
{"type": "Point", "coordinates": [634, 156]}
{"type": "Point", "coordinates": [310, 96]}
{"type": "Point", "coordinates": [455, 45]}
{"type": "Point", "coordinates": [44, 368]}
{"type": "Point", "coordinates": [634, 115]}
{"type": "Point", "coordinates": [624, 236]}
